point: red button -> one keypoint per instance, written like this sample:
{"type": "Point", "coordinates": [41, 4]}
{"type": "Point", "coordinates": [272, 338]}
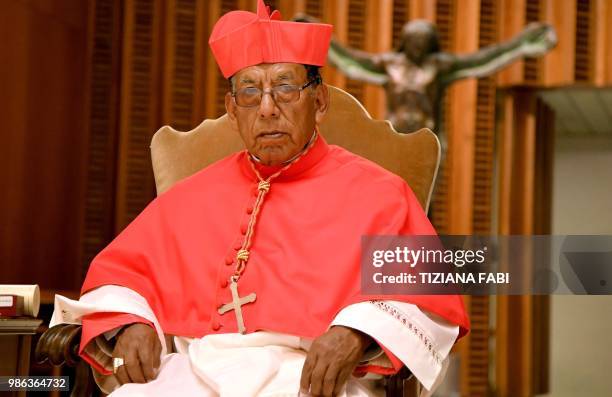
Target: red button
{"type": "Point", "coordinates": [216, 326]}
{"type": "Point", "coordinates": [238, 245]}
{"type": "Point", "coordinates": [249, 209]}
{"type": "Point", "coordinates": [243, 229]}
{"type": "Point", "coordinates": [229, 260]}
{"type": "Point", "coordinates": [223, 283]}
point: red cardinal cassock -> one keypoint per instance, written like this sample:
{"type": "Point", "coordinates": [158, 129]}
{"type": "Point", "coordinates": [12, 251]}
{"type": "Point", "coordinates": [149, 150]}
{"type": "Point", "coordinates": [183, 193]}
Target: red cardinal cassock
{"type": "Point", "coordinates": [304, 257]}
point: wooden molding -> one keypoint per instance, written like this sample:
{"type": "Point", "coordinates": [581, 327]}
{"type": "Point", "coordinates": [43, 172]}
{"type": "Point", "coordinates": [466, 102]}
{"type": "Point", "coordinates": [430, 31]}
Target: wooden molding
{"type": "Point", "coordinates": [423, 9]}
{"type": "Point", "coordinates": [512, 21]}
{"type": "Point", "coordinates": [378, 37]}
{"type": "Point", "coordinates": [558, 64]}
{"type": "Point", "coordinates": [336, 13]}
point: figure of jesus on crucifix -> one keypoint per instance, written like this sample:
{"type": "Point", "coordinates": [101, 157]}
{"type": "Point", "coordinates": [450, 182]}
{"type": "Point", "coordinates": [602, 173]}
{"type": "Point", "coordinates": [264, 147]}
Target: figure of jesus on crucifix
{"type": "Point", "coordinates": [416, 73]}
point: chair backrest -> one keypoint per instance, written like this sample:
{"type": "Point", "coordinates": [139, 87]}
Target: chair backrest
{"type": "Point", "coordinates": [414, 157]}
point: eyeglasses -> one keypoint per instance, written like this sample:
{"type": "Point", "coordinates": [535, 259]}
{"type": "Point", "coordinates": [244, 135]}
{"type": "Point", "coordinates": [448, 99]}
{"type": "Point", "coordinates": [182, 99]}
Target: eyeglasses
{"type": "Point", "coordinates": [285, 93]}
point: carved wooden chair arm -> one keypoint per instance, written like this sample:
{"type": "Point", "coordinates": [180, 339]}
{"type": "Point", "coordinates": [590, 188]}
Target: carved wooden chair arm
{"type": "Point", "coordinates": [59, 345]}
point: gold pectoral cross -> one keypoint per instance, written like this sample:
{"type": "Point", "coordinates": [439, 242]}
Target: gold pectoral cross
{"type": "Point", "coordinates": [236, 305]}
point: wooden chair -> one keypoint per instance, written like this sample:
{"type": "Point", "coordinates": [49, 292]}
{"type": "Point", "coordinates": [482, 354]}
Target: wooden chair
{"type": "Point", "coordinates": [175, 155]}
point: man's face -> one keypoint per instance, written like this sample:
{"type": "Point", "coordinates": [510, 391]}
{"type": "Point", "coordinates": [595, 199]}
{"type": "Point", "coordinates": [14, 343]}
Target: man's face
{"type": "Point", "coordinates": [276, 132]}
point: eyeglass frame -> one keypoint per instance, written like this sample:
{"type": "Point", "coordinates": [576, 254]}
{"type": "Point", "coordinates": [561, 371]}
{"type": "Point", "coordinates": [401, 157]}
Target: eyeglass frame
{"type": "Point", "coordinates": [270, 91]}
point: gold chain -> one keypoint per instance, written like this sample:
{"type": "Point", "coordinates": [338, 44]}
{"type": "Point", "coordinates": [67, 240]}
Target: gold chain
{"type": "Point", "coordinates": [263, 187]}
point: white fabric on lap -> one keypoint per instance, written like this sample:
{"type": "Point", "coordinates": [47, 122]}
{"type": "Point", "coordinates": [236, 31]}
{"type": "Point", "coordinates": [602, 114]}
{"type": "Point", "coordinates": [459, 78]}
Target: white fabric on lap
{"type": "Point", "coordinates": [261, 364]}
{"type": "Point", "coordinates": [175, 378]}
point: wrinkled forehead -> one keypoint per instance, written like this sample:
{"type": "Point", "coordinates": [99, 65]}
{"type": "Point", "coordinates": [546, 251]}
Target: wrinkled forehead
{"type": "Point", "coordinates": [294, 72]}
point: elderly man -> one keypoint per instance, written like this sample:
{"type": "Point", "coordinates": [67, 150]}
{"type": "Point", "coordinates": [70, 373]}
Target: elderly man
{"type": "Point", "coordinates": [253, 262]}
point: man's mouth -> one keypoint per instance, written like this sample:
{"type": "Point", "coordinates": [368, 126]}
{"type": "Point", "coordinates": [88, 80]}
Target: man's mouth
{"type": "Point", "coordinates": [271, 134]}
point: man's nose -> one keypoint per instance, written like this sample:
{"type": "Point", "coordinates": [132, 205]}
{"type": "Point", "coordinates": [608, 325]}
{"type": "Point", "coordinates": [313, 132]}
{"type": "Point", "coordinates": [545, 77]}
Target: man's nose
{"type": "Point", "coordinates": [268, 107]}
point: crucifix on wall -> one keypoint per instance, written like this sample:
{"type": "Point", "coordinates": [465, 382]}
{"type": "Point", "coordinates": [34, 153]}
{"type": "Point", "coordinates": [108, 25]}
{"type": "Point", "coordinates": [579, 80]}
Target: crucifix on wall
{"type": "Point", "coordinates": [416, 73]}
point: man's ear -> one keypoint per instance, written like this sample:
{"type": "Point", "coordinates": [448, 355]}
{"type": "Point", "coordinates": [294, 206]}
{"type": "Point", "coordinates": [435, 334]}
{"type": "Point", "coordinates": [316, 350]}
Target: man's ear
{"type": "Point", "coordinates": [230, 108]}
{"type": "Point", "coordinates": [321, 102]}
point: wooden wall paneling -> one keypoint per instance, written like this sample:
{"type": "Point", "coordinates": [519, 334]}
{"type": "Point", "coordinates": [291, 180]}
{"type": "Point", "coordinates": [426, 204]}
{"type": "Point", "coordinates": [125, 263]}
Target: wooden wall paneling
{"type": "Point", "coordinates": [512, 20]}
{"type": "Point", "coordinates": [179, 59]}
{"type": "Point", "coordinates": [140, 107]}
{"type": "Point", "coordinates": [544, 162]}
{"type": "Point", "coordinates": [505, 169]}
{"type": "Point", "coordinates": [334, 12]}
{"type": "Point", "coordinates": [475, 352]}
{"type": "Point", "coordinates": [215, 85]}
{"type": "Point", "coordinates": [462, 101]}
{"type": "Point", "coordinates": [251, 5]}
{"type": "Point", "coordinates": [14, 58]}
{"type": "Point", "coordinates": [521, 307]}
{"type": "Point", "coordinates": [423, 9]}
{"type": "Point", "coordinates": [608, 35]}
{"type": "Point", "coordinates": [532, 67]}
{"type": "Point", "coordinates": [522, 334]}
{"type": "Point", "coordinates": [222, 85]}
{"type": "Point", "coordinates": [542, 210]}
{"type": "Point", "coordinates": [169, 42]}
{"type": "Point", "coordinates": [602, 42]}
{"type": "Point", "coordinates": [541, 349]}
{"type": "Point", "coordinates": [98, 226]}
{"type": "Point", "coordinates": [558, 65]}
{"type": "Point", "coordinates": [505, 175]}
{"type": "Point", "coordinates": [401, 15]}
{"type": "Point", "coordinates": [445, 23]}
{"type": "Point", "coordinates": [473, 349]}
{"type": "Point", "coordinates": [55, 144]}
{"type": "Point", "coordinates": [583, 49]}
{"type": "Point", "coordinates": [200, 62]}
{"type": "Point", "coordinates": [212, 73]}
{"type": "Point", "coordinates": [378, 35]}
{"type": "Point", "coordinates": [525, 151]}
{"type": "Point", "coordinates": [288, 8]}
{"type": "Point", "coordinates": [504, 352]}
{"type": "Point", "coordinates": [485, 126]}
{"type": "Point", "coordinates": [356, 38]}
{"type": "Point", "coordinates": [44, 140]}
{"type": "Point", "coordinates": [317, 8]}
{"type": "Point", "coordinates": [78, 271]}
{"type": "Point", "coordinates": [184, 90]}
{"type": "Point", "coordinates": [460, 185]}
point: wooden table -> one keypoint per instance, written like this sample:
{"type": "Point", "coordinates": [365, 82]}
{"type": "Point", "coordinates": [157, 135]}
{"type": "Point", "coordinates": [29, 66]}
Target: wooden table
{"type": "Point", "coordinates": [15, 346]}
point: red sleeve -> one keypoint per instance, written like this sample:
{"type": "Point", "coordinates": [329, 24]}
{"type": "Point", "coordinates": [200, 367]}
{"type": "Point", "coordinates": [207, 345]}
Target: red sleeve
{"type": "Point", "coordinates": [377, 369]}
{"type": "Point", "coordinates": [96, 324]}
